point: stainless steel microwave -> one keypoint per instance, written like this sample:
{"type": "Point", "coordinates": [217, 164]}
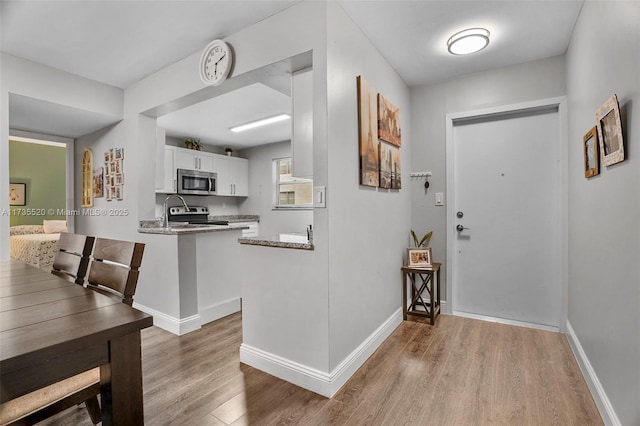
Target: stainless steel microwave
{"type": "Point", "coordinates": [196, 182]}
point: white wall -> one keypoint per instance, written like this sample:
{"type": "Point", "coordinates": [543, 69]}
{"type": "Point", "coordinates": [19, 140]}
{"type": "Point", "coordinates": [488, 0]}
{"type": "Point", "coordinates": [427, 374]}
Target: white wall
{"type": "Point", "coordinates": [26, 78]}
{"type": "Point", "coordinates": [429, 106]}
{"type": "Point", "coordinates": [260, 200]}
{"type": "Point", "coordinates": [604, 235]}
{"type": "Point", "coordinates": [368, 227]}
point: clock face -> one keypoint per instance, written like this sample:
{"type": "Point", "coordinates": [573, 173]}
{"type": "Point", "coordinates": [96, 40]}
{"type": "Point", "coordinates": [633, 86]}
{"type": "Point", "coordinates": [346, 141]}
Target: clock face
{"type": "Point", "coordinates": [215, 62]}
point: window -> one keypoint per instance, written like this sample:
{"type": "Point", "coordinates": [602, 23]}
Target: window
{"type": "Point", "coordinates": [290, 192]}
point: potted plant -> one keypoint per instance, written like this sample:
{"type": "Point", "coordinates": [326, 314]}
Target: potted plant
{"type": "Point", "coordinates": [422, 242]}
{"type": "Point", "coordinates": [228, 151]}
{"type": "Point", "coordinates": [193, 144]}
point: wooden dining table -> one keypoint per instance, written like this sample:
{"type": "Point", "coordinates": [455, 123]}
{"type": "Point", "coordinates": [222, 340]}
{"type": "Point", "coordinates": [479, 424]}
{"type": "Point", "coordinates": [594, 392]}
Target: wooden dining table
{"type": "Point", "coordinates": [52, 329]}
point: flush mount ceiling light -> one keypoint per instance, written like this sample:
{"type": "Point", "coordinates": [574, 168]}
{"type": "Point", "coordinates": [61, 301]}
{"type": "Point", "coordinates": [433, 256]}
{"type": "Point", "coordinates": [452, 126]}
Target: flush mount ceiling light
{"type": "Point", "coordinates": [261, 122]}
{"type": "Point", "coordinates": [468, 41]}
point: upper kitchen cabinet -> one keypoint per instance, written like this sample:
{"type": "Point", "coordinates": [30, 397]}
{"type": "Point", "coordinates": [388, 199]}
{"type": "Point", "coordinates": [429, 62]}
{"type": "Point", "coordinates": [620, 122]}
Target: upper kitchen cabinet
{"type": "Point", "coordinates": [233, 175]}
{"type": "Point", "coordinates": [302, 124]}
{"type": "Point", "coordinates": [169, 183]}
{"type": "Point", "coordinates": [194, 160]}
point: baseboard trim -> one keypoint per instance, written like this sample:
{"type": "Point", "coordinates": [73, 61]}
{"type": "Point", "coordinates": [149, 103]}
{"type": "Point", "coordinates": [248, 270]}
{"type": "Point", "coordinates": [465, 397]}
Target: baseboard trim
{"type": "Point", "coordinates": [171, 324]}
{"type": "Point", "coordinates": [506, 321]}
{"type": "Point", "coordinates": [605, 408]}
{"type": "Point", "coordinates": [219, 310]}
{"type": "Point", "coordinates": [325, 384]}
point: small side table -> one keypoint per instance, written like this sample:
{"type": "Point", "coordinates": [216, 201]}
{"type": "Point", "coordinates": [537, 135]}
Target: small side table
{"type": "Point", "coordinates": [418, 306]}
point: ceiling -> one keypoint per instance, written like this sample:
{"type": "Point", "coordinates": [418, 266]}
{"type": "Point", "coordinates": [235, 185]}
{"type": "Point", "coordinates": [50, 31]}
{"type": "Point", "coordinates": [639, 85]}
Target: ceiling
{"type": "Point", "coordinates": [121, 42]}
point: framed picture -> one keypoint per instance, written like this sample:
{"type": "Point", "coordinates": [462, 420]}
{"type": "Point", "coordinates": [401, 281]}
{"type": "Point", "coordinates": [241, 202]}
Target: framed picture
{"type": "Point", "coordinates": [388, 122]}
{"type": "Point", "coordinates": [17, 194]}
{"type": "Point", "coordinates": [610, 132]}
{"type": "Point", "coordinates": [367, 134]}
{"type": "Point", "coordinates": [591, 153]}
{"type": "Point", "coordinates": [396, 172]}
{"type": "Point", "coordinates": [386, 166]}
{"type": "Point", "coordinates": [98, 183]}
{"type": "Point", "coordinates": [419, 257]}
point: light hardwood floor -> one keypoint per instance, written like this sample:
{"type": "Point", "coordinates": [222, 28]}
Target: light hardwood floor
{"type": "Point", "coordinates": [459, 372]}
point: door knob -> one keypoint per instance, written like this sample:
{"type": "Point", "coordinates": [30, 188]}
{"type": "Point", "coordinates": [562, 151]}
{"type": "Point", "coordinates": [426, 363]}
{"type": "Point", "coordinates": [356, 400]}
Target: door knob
{"type": "Point", "coordinates": [460, 228]}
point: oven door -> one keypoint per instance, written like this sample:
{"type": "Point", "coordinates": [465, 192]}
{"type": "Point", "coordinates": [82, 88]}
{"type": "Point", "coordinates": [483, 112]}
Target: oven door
{"type": "Point", "coordinates": [194, 182]}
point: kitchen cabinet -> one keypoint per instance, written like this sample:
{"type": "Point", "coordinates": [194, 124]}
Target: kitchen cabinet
{"type": "Point", "coordinates": [302, 124]}
{"type": "Point", "coordinates": [194, 160]}
{"type": "Point", "coordinates": [169, 184]}
{"type": "Point", "coordinates": [233, 175]}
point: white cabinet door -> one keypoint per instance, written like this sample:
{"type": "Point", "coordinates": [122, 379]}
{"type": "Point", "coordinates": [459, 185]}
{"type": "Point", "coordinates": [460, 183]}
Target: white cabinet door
{"type": "Point", "coordinates": [169, 182]}
{"type": "Point", "coordinates": [186, 159]}
{"type": "Point", "coordinates": [224, 169]}
{"type": "Point", "coordinates": [233, 175]}
{"type": "Point", "coordinates": [191, 159]}
{"type": "Point", "coordinates": [240, 176]}
{"type": "Point", "coordinates": [205, 161]}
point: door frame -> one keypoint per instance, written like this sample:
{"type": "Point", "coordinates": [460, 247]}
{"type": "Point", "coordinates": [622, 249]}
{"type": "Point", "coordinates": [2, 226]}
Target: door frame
{"type": "Point", "coordinates": [563, 202]}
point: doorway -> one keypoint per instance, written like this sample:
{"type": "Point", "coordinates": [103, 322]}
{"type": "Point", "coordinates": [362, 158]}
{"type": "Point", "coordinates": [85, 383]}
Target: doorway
{"type": "Point", "coordinates": [506, 231]}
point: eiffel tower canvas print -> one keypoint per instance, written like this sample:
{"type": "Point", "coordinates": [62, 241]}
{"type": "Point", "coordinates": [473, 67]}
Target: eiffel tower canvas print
{"type": "Point", "coordinates": [368, 134]}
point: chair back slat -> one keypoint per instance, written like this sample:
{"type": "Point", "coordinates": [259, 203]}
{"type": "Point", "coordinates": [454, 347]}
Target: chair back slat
{"type": "Point", "coordinates": [114, 267]}
{"type": "Point", "coordinates": [72, 258]}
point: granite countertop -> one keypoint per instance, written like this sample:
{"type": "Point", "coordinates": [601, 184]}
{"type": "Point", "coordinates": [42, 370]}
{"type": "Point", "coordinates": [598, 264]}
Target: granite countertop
{"type": "Point", "coordinates": [237, 218]}
{"type": "Point", "coordinates": [290, 240]}
{"type": "Point", "coordinates": [154, 226]}
{"type": "Point", "coordinates": [179, 228]}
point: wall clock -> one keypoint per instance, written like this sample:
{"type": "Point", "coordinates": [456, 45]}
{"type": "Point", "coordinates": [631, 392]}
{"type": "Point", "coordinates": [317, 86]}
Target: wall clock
{"type": "Point", "coordinates": [215, 63]}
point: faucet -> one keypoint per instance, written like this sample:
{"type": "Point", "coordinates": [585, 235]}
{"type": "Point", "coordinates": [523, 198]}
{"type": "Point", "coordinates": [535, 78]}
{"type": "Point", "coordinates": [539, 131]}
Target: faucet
{"type": "Point", "coordinates": [165, 223]}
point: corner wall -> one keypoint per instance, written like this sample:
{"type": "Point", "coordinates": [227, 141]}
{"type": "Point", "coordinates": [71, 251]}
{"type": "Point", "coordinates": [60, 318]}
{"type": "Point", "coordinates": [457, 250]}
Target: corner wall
{"type": "Point", "coordinates": [22, 77]}
{"type": "Point", "coordinates": [368, 227]}
{"type": "Point", "coordinates": [604, 235]}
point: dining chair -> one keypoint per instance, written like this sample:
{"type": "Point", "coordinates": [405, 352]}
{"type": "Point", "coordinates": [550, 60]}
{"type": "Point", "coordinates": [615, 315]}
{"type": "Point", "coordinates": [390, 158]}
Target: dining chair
{"type": "Point", "coordinates": [72, 258]}
{"type": "Point", "coordinates": [115, 267]}
{"type": "Point", "coordinates": [114, 270]}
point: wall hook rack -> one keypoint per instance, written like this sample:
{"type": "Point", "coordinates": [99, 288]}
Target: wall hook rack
{"type": "Point", "coordinates": [424, 175]}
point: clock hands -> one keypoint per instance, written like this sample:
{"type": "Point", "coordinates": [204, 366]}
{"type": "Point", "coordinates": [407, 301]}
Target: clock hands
{"type": "Point", "coordinates": [215, 64]}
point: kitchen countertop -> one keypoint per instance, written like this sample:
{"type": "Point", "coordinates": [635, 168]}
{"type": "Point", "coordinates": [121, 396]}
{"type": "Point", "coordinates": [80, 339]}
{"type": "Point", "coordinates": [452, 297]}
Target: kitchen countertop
{"type": "Point", "coordinates": [237, 218]}
{"type": "Point", "coordinates": [179, 228]}
{"type": "Point", "coordinates": [176, 228]}
{"type": "Point", "coordinates": [291, 240]}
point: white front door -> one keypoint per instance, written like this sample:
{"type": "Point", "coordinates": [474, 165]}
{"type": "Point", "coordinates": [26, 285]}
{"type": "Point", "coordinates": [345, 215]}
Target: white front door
{"type": "Point", "coordinates": [506, 262]}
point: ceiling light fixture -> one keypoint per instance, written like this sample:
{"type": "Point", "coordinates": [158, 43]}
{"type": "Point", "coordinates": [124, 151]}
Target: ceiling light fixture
{"type": "Point", "coordinates": [261, 122]}
{"type": "Point", "coordinates": [468, 41]}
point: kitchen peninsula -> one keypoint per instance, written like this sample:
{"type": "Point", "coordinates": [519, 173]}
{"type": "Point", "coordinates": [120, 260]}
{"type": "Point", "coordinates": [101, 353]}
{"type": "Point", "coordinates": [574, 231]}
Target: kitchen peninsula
{"type": "Point", "coordinates": [201, 263]}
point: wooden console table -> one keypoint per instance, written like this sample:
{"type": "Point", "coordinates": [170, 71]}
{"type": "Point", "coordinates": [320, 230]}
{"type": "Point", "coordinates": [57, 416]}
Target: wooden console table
{"type": "Point", "coordinates": [429, 281]}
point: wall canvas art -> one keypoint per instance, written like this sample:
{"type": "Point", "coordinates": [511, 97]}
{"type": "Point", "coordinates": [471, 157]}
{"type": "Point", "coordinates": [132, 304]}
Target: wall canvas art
{"type": "Point", "coordinates": [396, 171]}
{"type": "Point", "coordinates": [17, 194]}
{"type": "Point", "coordinates": [367, 134]}
{"type": "Point", "coordinates": [591, 151]}
{"type": "Point", "coordinates": [388, 122]}
{"type": "Point", "coordinates": [98, 183]}
{"type": "Point", "coordinates": [610, 132]}
{"type": "Point", "coordinates": [386, 165]}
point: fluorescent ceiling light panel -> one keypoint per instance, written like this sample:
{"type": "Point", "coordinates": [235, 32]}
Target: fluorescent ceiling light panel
{"type": "Point", "coordinates": [468, 41]}
{"type": "Point", "coordinates": [259, 123]}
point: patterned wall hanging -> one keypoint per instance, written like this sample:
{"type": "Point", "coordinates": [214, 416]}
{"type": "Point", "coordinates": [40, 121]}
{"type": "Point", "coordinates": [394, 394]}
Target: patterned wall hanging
{"type": "Point", "coordinates": [114, 174]}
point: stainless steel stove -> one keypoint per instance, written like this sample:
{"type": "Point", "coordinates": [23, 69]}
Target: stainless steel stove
{"type": "Point", "coordinates": [196, 215]}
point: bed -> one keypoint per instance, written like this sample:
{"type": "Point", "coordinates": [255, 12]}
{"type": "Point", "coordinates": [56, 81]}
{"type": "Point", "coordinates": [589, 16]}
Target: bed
{"type": "Point", "coordinates": [31, 244]}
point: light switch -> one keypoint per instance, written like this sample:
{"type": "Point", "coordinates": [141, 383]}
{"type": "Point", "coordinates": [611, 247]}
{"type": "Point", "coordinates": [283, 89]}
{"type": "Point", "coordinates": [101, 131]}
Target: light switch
{"type": "Point", "coordinates": [319, 196]}
{"type": "Point", "coordinates": [439, 199]}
